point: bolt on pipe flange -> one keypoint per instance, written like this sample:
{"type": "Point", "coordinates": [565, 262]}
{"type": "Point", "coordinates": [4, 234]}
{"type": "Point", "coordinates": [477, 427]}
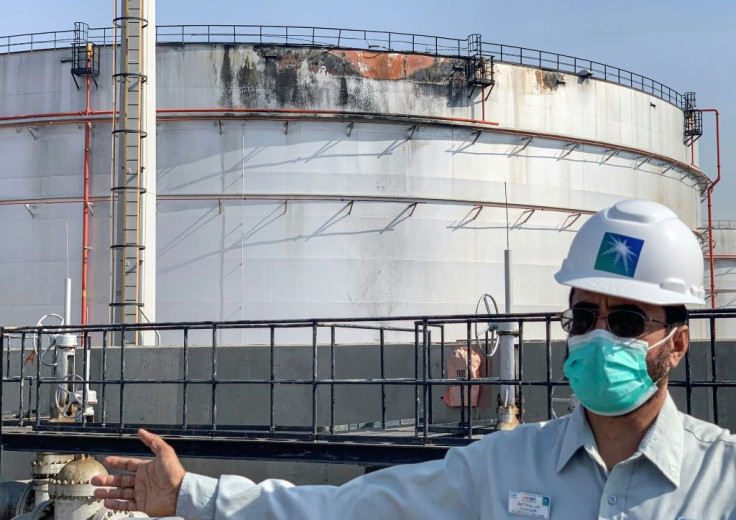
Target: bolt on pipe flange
{"type": "Point", "coordinates": [73, 481]}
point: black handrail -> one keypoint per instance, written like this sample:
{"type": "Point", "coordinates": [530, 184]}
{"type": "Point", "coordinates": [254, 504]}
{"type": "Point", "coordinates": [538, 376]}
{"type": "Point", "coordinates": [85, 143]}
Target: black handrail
{"type": "Point", "coordinates": [408, 418]}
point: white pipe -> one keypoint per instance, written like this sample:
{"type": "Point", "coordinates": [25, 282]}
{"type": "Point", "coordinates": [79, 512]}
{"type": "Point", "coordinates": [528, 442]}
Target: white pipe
{"type": "Point", "coordinates": [506, 340]}
{"type": "Point", "coordinates": [508, 279]}
{"type": "Point", "coordinates": [67, 301]}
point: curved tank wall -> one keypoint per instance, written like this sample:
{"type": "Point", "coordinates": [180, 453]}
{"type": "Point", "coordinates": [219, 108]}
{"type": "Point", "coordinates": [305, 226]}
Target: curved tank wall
{"type": "Point", "coordinates": [319, 182]}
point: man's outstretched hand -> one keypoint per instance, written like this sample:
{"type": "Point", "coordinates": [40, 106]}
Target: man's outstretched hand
{"type": "Point", "coordinates": [152, 488]}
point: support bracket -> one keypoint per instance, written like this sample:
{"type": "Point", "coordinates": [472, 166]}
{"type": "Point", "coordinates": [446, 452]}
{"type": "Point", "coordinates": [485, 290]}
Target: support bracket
{"type": "Point", "coordinates": [610, 156]}
{"type": "Point", "coordinates": [572, 148]}
{"type": "Point", "coordinates": [570, 220]}
{"type": "Point", "coordinates": [525, 142]}
{"type": "Point", "coordinates": [524, 217]}
{"type": "Point", "coordinates": [645, 161]}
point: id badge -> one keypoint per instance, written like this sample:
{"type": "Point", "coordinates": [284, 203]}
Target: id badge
{"type": "Point", "coordinates": [528, 504]}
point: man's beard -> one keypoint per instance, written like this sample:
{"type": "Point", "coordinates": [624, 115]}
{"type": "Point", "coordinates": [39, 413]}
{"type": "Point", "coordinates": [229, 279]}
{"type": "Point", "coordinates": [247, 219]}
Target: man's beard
{"type": "Point", "coordinates": [658, 367]}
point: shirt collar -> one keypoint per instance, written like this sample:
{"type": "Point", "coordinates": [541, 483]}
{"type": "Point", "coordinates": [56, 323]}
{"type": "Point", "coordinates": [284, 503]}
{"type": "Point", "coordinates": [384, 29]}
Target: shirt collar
{"type": "Point", "coordinates": [662, 444]}
{"type": "Point", "coordinates": [577, 435]}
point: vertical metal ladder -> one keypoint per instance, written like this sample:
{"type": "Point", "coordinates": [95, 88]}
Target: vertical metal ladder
{"type": "Point", "coordinates": [693, 119]}
{"type": "Point", "coordinates": [127, 246]}
{"type": "Point", "coordinates": [479, 65]}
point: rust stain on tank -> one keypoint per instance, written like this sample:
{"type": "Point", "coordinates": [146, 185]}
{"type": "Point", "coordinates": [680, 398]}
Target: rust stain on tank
{"type": "Point", "coordinates": [386, 65]}
{"type": "Point", "coordinates": [415, 63]}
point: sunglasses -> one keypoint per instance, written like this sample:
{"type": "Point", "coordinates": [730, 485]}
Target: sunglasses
{"type": "Point", "coordinates": [623, 323]}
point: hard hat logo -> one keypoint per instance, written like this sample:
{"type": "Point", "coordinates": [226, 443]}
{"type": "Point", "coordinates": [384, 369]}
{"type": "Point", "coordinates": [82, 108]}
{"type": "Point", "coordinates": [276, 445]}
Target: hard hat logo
{"type": "Point", "coordinates": [618, 254]}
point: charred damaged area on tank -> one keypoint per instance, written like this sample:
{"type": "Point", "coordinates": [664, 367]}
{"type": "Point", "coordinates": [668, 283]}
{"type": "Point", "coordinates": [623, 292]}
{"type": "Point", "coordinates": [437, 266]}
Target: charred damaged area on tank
{"type": "Point", "coordinates": [330, 62]}
{"type": "Point", "coordinates": [549, 80]}
{"type": "Point", "coordinates": [248, 84]}
{"type": "Point", "coordinates": [278, 76]}
{"type": "Point", "coordinates": [226, 78]}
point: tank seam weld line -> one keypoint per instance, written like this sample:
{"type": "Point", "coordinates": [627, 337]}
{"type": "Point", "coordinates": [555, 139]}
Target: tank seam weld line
{"type": "Point", "coordinates": [314, 198]}
{"type": "Point", "coordinates": [215, 114]}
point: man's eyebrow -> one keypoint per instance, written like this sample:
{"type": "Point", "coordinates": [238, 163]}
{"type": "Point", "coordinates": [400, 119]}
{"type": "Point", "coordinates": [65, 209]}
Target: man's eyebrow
{"type": "Point", "coordinates": [628, 307]}
{"type": "Point", "coordinates": [585, 305]}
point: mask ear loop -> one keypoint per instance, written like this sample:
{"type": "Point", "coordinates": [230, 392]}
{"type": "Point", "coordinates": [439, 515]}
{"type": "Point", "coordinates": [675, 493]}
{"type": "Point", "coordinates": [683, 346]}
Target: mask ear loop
{"type": "Point", "coordinates": [665, 339]}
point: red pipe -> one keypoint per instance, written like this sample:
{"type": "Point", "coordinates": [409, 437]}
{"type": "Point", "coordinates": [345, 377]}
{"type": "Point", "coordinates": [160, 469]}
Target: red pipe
{"type": "Point", "coordinates": [71, 200]}
{"type": "Point", "coordinates": [710, 212]}
{"type": "Point", "coordinates": [85, 205]}
{"type": "Point", "coordinates": [483, 102]}
{"type": "Point", "coordinates": [231, 110]}
{"type": "Point", "coordinates": [307, 112]}
{"type": "Point", "coordinates": [692, 151]}
{"type": "Point", "coordinates": [57, 114]}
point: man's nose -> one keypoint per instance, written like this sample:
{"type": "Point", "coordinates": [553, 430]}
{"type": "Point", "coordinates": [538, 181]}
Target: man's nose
{"type": "Point", "coordinates": [601, 322]}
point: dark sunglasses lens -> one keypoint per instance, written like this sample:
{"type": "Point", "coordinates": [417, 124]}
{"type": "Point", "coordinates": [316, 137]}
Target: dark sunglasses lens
{"type": "Point", "coordinates": [626, 324]}
{"type": "Point", "coordinates": [577, 321]}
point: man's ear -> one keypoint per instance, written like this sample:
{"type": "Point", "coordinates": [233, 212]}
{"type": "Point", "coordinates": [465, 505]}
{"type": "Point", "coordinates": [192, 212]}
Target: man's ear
{"type": "Point", "coordinates": [680, 344]}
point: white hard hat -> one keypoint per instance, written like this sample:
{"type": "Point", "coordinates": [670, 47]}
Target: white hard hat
{"type": "Point", "coordinates": [639, 250]}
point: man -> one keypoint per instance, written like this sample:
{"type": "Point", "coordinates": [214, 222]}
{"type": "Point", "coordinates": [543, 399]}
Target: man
{"type": "Point", "coordinates": [625, 453]}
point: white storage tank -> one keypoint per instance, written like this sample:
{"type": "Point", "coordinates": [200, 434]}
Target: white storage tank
{"type": "Point", "coordinates": [326, 180]}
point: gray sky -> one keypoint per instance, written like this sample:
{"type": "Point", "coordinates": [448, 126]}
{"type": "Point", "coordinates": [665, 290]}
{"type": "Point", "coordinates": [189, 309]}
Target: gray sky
{"type": "Point", "coordinates": [685, 45]}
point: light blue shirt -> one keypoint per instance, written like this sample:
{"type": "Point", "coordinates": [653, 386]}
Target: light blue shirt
{"type": "Point", "coordinates": [684, 469]}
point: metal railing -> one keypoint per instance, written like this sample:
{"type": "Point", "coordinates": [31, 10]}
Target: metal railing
{"type": "Point", "coordinates": [313, 390]}
{"type": "Point", "coordinates": [356, 39]}
{"type": "Point", "coordinates": [720, 224]}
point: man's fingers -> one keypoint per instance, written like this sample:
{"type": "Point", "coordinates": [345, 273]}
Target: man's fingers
{"type": "Point", "coordinates": [127, 493]}
{"type": "Point", "coordinates": [153, 441]}
{"type": "Point", "coordinates": [124, 463]}
{"type": "Point", "coordinates": [121, 505]}
{"type": "Point", "coordinates": [113, 480]}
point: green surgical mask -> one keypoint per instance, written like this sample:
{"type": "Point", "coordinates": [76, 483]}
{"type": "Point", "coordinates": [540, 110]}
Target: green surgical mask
{"type": "Point", "coordinates": [609, 374]}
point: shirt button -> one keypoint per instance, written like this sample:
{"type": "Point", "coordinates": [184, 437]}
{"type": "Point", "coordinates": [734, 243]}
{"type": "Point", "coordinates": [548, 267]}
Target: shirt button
{"type": "Point", "coordinates": [612, 499]}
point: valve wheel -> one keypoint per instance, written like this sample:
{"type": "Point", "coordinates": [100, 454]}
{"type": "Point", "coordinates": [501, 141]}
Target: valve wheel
{"type": "Point", "coordinates": [66, 399]}
{"type": "Point", "coordinates": [491, 343]}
